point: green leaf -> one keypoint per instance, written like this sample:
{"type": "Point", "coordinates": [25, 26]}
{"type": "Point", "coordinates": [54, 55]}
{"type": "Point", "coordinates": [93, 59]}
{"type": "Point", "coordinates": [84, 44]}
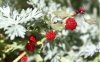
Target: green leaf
{"type": "Point", "coordinates": [97, 59]}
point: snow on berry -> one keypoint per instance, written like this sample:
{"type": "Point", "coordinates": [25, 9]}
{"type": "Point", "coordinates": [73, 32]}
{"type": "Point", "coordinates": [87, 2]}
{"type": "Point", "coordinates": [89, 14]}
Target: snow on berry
{"type": "Point", "coordinates": [70, 24]}
{"type": "Point", "coordinates": [50, 35]}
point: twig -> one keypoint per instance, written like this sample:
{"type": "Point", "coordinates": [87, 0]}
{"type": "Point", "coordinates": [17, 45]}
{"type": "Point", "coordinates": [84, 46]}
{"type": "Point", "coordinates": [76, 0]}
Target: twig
{"type": "Point", "coordinates": [69, 3]}
{"type": "Point", "coordinates": [19, 57]}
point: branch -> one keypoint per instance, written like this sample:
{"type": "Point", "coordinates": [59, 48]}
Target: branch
{"type": "Point", "coordinates": [19, 57]}
{"type": "Point", "coordinates": [69, 3]}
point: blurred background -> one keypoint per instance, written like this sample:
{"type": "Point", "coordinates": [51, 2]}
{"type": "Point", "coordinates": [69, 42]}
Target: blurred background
{"type": "Point", "coordinates": [80, 45]}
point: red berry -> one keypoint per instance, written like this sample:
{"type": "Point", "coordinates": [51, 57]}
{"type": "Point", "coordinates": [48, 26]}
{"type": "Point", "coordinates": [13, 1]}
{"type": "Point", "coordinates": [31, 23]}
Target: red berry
{"type": "Point", "coordinates": [70, 24]}
{"type": "Point", "coordinates": [30, 47]}
{"type": "Point", "coordinates": [24, 58]}
{"type": "Point", "coordinates": [32, 39]}
{"type": "Point", "coordinates": [50, 35]}
{"type": "Point", "coordinates": [81, 10]}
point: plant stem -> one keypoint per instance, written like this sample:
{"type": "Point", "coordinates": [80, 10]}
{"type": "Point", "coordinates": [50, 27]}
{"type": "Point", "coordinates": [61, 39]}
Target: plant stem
{"type": "Point", "coordinates": [19, 57]}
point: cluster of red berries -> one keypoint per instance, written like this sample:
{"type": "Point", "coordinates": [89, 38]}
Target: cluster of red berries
{"type": "Point", "coordinates": [30, 46]}
{"type": "Point", "coordinates": [50, 35]}
{"type": "Point", "coordinates": [70, 22]}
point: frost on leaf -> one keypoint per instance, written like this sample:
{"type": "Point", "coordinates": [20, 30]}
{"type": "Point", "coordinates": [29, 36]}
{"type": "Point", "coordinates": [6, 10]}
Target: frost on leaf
{"type": "Point", "coordinates": [88, 50]}
{"type": "Point", "coordinates": [12, 21]}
